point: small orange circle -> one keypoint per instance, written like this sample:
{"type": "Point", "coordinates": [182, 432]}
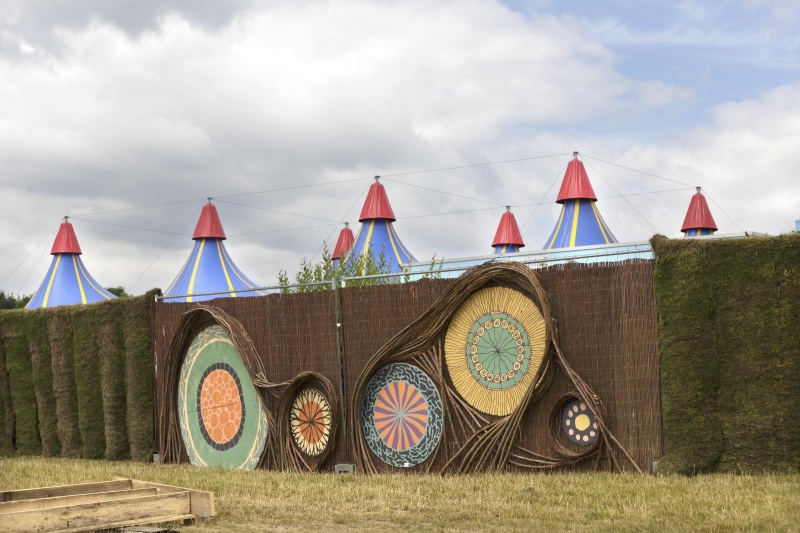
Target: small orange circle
{"type": "Point", "coordinates": [221, 407]}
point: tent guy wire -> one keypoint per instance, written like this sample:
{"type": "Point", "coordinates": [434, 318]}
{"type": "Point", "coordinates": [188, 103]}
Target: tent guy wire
{"type": "Point", "coordinates": [626, 200]}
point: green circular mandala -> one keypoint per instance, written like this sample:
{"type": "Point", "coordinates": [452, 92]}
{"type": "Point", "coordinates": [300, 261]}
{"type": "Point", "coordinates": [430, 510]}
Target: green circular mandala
{"type": "Point", "coordinates": [498, 351]}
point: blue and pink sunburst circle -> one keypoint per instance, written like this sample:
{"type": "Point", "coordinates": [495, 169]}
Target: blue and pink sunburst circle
{"type": "Point", "coordinates": [401, 415]}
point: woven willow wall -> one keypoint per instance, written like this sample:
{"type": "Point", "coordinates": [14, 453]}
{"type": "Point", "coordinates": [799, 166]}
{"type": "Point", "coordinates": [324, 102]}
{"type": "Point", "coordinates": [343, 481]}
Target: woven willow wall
{"type": "Point", "coordinates": [292, 333]}
{"type": "Point", "coordinates": [606, 321]}
{"type": "Point", "coordinates": [77, 381]}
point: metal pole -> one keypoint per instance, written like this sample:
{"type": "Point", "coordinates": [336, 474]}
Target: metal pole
{"type": "Point", "coordinates": [340, 351]}
{"type": "Point", "coordinates": [236, 291]}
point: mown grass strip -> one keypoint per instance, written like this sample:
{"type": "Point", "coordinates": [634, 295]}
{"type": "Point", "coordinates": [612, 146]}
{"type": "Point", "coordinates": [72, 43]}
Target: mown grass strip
{"type": "Point", "coordinates": [6, 410]}
{"type": "Point", "coordinates": [111, 351]}
{"type": "Point", "coordinates": [262, 500]}
{"type": "Point", "coordinates": [690, 366]}
{"type": "Point", "coordinates": [65, 390]}
{"type": "Point", "coordinates": [138, 342]}
{"type": "Point", "coordinates": [21, 383]}
{"type": "Point", "coordinates": [41, 365]}
{"type": "Point", "coordinates": [88, 380]}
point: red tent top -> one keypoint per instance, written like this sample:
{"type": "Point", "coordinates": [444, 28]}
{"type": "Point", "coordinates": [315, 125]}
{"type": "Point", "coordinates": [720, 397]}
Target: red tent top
{"type": "Point", "coordinates": [508, 231]}
{"type": "Point", "coordinates": [576, 183]}
{"type": "Point", "coordinates": [209, 225]}
{"type": "Point", "coordinates": [698, 216]}
{"type": "Point", "coordinates": [66, 242]}
{"type": "Point", "coordinates": [344, 243]}
{"type": "Point", "coordinates": [377, 204]}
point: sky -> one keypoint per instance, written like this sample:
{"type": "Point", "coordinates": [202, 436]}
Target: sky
{"type": "Point", "coordinates": [127, 115]}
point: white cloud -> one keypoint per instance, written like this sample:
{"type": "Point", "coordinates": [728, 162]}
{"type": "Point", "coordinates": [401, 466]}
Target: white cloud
{"type": "Point", "coordinates": [308, 92]}
{"type": "Point", "coordinates": [745, 159]}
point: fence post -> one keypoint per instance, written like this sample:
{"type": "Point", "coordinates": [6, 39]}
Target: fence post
{"type": "Point", "coordinates": [340, 352]}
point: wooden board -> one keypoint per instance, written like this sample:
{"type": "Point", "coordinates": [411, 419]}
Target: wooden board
{"type": "Point", "coordinates": [76, 499]}
{"type": "Point", "coordinates": [202, 502]}
{"type": "Point", "coordinates": [182, 519]}
{"type": "Point", "coordinates": [102, 505]}
{"type": "Point", "coordinates": [142, 509]}
{"type": "Point", "coordinates": [65, 490]}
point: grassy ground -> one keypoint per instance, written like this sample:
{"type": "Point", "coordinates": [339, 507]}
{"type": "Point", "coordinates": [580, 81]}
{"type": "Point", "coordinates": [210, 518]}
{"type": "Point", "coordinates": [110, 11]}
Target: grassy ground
{"type": "Point", "coordinates": [258, 501]}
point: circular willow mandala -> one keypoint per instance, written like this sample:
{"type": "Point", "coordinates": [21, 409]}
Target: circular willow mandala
{"type": "Point", "coordinates": [310, 420]}
{"type": "Point", "coordinates": [221, 418]}
{"type": "Point", "coordinates": [401, 415]}
{"type": "Point", "coordinates": [493, 348]}
{"type": "Point", "coordinates": [579, 424]}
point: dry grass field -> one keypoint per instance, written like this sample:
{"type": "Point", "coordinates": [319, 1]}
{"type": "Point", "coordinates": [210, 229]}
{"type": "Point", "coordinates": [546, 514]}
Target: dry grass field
{"type": "Point", "coordinates": [269, 501]}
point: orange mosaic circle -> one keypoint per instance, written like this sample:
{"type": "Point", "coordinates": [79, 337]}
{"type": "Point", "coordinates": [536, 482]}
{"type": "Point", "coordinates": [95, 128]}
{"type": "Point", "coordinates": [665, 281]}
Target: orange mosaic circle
{"type": "Point", "coordinates": [311, 421]}
{"type": "Point", "coordinates": [311, 417]}
{"type": "Point", "coordinates": [221, 406]}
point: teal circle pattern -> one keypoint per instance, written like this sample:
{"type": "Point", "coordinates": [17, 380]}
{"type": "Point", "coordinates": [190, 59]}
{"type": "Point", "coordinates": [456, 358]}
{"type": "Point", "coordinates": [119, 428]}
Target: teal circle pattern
{"type": "Point", "coordinates": [498, 351]}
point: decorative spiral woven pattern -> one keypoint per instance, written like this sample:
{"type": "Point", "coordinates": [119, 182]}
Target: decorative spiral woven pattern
{"type": "Point", "coordinates": [494, 346]}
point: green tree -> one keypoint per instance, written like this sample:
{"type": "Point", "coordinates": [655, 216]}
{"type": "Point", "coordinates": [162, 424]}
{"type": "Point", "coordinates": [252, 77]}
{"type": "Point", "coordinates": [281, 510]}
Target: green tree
{"type": "Point", "coordinates": [323, 272]}
{"type": "Point", "coordinates": [9, 301]}
{"type": "Point", "coordinates": [119, 292]}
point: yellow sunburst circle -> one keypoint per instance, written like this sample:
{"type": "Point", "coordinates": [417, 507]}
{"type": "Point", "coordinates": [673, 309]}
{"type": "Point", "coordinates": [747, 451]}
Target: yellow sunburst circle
{"type": "Point", "coordinates": [494, 346]}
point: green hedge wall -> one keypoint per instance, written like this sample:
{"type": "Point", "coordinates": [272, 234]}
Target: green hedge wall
{"type": "Point", "coordinates": [729, 336]}
{"type": "Point", "coordinates": [41, 365]}
{"type": "Point", "coordinates": [6, 409]}
{"type": "Point", "coordinates": [77, 381]}
{"type": "Point", "coordinates": [88, 371]}
{"type": "Point", "coordinates": [20, 383]}
{"type": "Point", "coordinates": [138, 341]}
{"type": "Point", "coordinates": [111, 350]}
{"type": "Point", "coordinates": [59, 331]}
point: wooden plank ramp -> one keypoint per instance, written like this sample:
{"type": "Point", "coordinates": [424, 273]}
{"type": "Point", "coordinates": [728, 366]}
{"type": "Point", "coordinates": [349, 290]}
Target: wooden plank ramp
{"type": "Point", "coordinates": [103, 505]}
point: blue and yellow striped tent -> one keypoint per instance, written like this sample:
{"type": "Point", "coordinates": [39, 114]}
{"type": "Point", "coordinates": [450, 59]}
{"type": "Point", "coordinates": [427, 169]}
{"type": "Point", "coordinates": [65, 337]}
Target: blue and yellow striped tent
{"type": "Point", "coordinates": [698, 220]}
{"type": "Point", "coordinates": [67, 281]}
{"type": "Point", "coordinates": [580, 222]}
{"type": "Point", "coordinates": [209, 268]}
{"type": "Point", "coordinates": [507, 239]}
{"type": "Point", "coordinates": [377, 234]}
{"type": "Point", "coordinates": [343, 245]}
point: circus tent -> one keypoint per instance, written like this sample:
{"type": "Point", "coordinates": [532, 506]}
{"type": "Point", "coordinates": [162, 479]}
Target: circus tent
{"type": "Point", "coordinates": [67, 281]}
{"type": "Point", "coordinates": [698, 220]}
{"type": "Point", "coordinates": [209, 268]}
{"type": "Point", "coordinates": [343, 245]}
{"type": "Point", "coordinates": [507, 239]}
{"type": "Point", "coordinates": [580, 222]}
{"type": "Point", "coordinates": [377, 234]}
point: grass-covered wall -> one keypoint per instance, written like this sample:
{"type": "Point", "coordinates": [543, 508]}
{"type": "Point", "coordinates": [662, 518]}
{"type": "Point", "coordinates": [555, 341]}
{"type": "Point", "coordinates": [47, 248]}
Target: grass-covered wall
{"type": "Point", "coordinates": [729, 340]}
{"type": "Point", "coordinates": [25, 435]}
{"type": "Point", "coordinates": [76, 381]}
{"type": "Point", "coordinates": [139, 388]}
{"type": "Point", "coordinates": [42, 369]}
{"type": "Point", "coordinates": [6, 410]}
